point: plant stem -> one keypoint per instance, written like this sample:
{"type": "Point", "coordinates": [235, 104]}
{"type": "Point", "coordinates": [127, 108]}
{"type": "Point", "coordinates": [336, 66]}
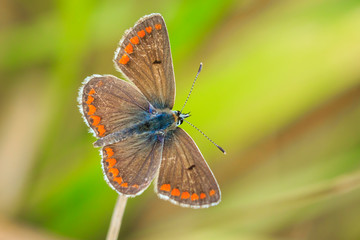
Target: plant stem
{"type": "Point", "coordinates": [116, 218]}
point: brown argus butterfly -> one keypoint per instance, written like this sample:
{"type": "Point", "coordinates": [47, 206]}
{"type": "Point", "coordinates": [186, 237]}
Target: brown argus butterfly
{"type": "Point", "coordinates": [138, 131]}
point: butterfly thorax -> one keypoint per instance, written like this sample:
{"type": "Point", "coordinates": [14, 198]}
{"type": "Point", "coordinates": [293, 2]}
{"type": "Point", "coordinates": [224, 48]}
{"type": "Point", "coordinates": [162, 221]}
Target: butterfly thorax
{"type": "Point", "coordinates": [158, 123]}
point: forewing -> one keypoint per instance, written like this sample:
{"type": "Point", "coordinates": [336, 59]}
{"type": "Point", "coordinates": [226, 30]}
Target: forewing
{"type": "Point", "coordinates": [109, 104]}
{"type": "Point", "coordinates": [144, 57]}
{"type": "Point", "coordinates": [129, 166]}
{"type": "Point", "coordinates": [184, 177]}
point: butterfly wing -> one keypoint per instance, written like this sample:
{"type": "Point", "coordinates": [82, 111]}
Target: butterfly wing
{"type": "Point", "coordinates": [129, 166]}
{"type": "Point", "coordinates": [184, 176]}
{"type": "Point", "coordinates": [109, 104]}
{"type": "Point", "coordinates": [144, 57]}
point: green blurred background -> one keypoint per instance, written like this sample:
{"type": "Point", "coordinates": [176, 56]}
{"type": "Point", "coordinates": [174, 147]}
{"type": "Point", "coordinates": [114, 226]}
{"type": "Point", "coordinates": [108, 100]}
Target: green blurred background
{"type": "Point", "coordinates": [279, 90]}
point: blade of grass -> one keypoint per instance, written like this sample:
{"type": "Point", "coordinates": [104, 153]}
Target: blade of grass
{"type": "Point", "coordinates": [116, 219]}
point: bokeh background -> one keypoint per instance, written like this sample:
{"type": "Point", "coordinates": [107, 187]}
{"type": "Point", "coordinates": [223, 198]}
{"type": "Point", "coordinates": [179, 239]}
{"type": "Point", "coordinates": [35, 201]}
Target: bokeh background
{"type": "Point", "coordinates": [279, 90]}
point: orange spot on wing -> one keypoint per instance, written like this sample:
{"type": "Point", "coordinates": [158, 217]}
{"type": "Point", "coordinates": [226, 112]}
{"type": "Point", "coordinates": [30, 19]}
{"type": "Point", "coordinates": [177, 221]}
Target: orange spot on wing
{"type": "Point", "coordinates": [129, 48]}
{"type": "Point", "coordinates": [125, 184]}
{"type": "Point", "coordinates": [212, 192]}
{"type": "Point", "coordinates": [185, 195]}
{"type": "Point", "coordinates": [92, 91]}
{"type": "Point", "coordinates": [109, 152]}
{"type": "Point", "coordinates": [101, 129]}
{"type": "Point", "coordinates": [89, 100]}
{"type": "Point", "coordinates": [96, 120]}
{"type": "Point", "coordinates": [165, 187]}
{"type": "Point", "coordinates": [118, 180]}
{"type": "Point", "coordinates": [202, 195]}
{"type": "Point", "coordinates": [134, 40]}
{"type": "Point", "coordinates": [92, 109]}
{"type": "Point", "coordinates": [124, 59]}
{"type": "Point", "coordinates": [111, 162]}
{"type": "Point", "coordinates": [135, 186]}
{"type": "Point", "coordinates": [158, 26]}
{"type": "Point", "coordinates": [175, 192]}
{"type": "Point", "coordinates": [141, 33]}
{"type": "Point", "coordinates": [194, 197]}
{"type": "Point", "coordinates": [114, 171]}
{"type": "Point", "coordinates": [148, 29]}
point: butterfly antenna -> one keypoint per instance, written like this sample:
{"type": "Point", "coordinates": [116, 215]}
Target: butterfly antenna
{"type": "Point", "coordinates": [192, 86]}
{"type": "Point", "coordinates": [220, 148]}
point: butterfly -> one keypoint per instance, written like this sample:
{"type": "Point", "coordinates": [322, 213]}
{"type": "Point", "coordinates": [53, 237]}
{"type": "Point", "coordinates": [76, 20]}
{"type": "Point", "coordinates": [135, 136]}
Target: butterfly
{"type": "Point", "coordinates": [138, 131]}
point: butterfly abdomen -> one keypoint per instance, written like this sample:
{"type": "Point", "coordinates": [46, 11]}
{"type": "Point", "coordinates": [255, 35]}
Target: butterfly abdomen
{"type": "Point", "coordinates": [114, 137]}
{"type": "Point", "coordinates": [157, 123]}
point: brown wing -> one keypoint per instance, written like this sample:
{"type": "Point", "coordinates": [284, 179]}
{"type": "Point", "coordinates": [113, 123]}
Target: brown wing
{"type": "Point", "coordinates": [109, 104]}
{"type": "Point", "coordinates": [144, 57]}
{"type": "Point", "coordinates": [184, 176]}
{"type": "Point", "coordinates": [129, 166]}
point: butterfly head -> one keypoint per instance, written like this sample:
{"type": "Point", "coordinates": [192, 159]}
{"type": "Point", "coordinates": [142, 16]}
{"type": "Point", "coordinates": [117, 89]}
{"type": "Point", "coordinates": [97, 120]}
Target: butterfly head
{"type": "Point", "coordinates": [179, 117]}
